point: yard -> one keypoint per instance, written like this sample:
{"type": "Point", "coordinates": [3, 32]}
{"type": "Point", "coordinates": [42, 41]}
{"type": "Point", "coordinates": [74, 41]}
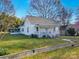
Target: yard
{"type": "Point", "coordinates": [18, 43]}
{"type": "Point", "coordinates": [64, 53]}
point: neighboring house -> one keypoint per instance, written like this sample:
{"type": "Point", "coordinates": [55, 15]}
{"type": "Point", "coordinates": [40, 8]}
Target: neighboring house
{"type": "Point", "coordinates": [38, 26]}
{"type": "Point", "coordinates": [76, 27]}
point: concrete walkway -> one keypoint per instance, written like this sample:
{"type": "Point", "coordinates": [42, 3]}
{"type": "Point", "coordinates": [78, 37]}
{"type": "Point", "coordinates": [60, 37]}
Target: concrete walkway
{"type": "Point", "coordinates": [71, 41]}
{"type": "Point", "coordinates": [68, 40]}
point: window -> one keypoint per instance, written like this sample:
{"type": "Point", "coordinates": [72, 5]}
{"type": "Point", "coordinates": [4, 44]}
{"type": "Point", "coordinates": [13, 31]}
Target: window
{"type": "Point", "coordinates": [54, 29]}
{"type": "Point", "coordinates": [50, 32]}
{"type": "Point", "coordinates": [46, 29]}
{"type": "Point", "coordinates": [27, 29]}
{"type": "Point", "coordinates": [17, 30]}
{"type": "Point", "coordinates": [22, 29]}
{"type": "Point", "coordinates": [37, 29]}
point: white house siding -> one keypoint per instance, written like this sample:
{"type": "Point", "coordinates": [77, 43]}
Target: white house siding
{"type": "Point", "coordinates": [49, 31]}
{"type": "Point", "coordinates": [41, 31]}
{"type": "Point", "coordinates": [30, 27]}
{"type": "Point", "coordinates": [52, 32]}
{"type": "Point", "coordinates": [57, 31]}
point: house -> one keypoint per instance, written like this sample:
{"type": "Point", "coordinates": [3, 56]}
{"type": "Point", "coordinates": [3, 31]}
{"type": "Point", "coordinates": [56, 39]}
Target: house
{"type": "Point", "coordinates": [76, 27]}
{"type": "Point", "coordinates": [38, 26]}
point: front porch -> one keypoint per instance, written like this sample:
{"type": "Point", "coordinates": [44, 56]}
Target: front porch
{"type": "Point", "coordinates": [44, 31]}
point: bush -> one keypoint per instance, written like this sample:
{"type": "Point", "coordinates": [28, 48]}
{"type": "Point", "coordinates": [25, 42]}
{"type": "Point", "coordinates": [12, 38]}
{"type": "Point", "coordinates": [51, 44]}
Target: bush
{"type": "Point", "coordinates": [3, 51]}
{"type": "Point", "coordinates": [44, 36]}
{"type": "Point", "coordinates": [71, 31]}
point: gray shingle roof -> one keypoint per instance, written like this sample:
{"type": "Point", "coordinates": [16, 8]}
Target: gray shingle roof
{"type": "Point", "coordinates": [41, 21]}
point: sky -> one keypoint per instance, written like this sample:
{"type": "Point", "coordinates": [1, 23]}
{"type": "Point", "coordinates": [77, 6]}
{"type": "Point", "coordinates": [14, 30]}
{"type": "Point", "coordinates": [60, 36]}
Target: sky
{"type": "Point", "coordinates": [22, 6]}
{"type": "Point", "coordinates": [73, 4]}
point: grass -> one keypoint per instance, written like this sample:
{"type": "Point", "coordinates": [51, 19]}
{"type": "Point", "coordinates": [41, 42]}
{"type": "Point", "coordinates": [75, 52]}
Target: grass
{"type": "Point", "coordinates": [18, 43]}
{"type": "Point", "coordinates": [64, 53]}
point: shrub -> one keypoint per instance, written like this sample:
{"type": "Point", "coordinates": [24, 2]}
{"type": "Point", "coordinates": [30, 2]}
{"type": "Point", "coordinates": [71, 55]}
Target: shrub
{"type": "Point", "coordinates": [71, 31]}
{"type": "Point", "coordinates": [3, 51]}
{"type": "Point", "coordinates": [44, 36]}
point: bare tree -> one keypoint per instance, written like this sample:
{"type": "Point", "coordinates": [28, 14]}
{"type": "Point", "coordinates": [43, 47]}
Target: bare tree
{"type": "Point", "coordinates": [65, 15]}
{"type": "Point", "coordinates": [51, 9]}
{"type": "Point", "coordinates": [7, 7]}
{"type": "Point", "coordinates": [6, 11]}
{"type": "Point", "coordinates": [77, 14]}
{"type": "Point", "coordinates": [44, 8]}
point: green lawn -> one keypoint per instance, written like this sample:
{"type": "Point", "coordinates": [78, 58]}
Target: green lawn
{"type": "Point", "coordinates": [64, 53]}
{"type": "Point", "coordinates": [18, 43]}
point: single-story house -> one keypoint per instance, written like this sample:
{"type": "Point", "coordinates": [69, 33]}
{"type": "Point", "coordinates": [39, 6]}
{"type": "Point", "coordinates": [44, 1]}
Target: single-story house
{"type": "Point", "coordinates": [38, 26]}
